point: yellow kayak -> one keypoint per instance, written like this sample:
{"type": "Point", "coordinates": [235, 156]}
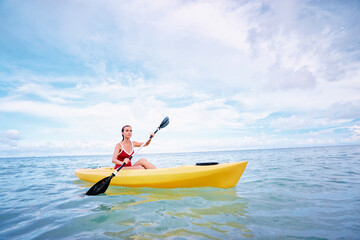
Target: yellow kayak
{"type": "Point", "coordinates": [225, 175]}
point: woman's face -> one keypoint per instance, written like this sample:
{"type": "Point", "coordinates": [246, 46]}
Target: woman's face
{"type": "Point", "coordinates": [127, 132]}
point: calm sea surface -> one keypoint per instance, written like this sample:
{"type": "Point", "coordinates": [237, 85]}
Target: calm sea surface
{"type": "Point", "coordinates": [302, 193]}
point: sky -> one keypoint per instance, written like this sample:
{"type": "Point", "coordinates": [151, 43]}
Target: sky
{"type": "Point", "coordinates": [231, 75]}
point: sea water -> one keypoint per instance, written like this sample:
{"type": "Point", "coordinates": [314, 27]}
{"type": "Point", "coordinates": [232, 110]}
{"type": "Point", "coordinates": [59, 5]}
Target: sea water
{"type": "Point", "coordinates": [301, 193]}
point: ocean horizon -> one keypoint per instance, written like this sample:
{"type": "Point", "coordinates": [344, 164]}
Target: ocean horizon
{"type": "Point", "coordinates": [180, 152]}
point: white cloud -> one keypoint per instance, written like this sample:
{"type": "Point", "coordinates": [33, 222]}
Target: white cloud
{"type": "Point", "coordinates": [284, 79]}
{"type": "Point", "coordinates": [304, 122]}
{"type": "Point", "coordinates": [10, 138]}
{"type": "Point", "coordinates": [355, 131]}
{"type": "Point", "coordinates": [12, 134]}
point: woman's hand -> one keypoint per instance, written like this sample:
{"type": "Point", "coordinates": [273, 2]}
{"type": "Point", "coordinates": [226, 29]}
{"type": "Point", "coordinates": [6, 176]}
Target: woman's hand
{"type": "Point", "coordinates": [151, 137]}
{"type": "Point", "coordinates": [126, 160]}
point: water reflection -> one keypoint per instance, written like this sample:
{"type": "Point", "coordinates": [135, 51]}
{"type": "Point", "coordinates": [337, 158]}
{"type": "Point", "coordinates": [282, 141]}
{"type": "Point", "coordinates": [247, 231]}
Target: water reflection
{"type": "Point", "coordinates": [206, 213]}
{"type": "Point", "coordinates": [211, 194]}
{"type": "Point", "coordinates": [152, 213]}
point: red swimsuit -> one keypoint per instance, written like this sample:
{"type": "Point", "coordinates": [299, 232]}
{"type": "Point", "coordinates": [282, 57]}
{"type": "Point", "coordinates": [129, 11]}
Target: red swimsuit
{"type": "Point", "coordinates": [122, 155]}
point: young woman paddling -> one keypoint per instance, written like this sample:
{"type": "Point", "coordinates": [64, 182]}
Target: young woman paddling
{"type": "Point", "coordinates": [125, 148]}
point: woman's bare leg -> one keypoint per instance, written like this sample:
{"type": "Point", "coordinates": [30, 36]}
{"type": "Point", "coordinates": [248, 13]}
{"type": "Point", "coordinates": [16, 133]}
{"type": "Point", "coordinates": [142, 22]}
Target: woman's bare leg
{"type": "Point", "coordinates": [133, 167]}
{"type": "Point", "coordinates": [144, 163]}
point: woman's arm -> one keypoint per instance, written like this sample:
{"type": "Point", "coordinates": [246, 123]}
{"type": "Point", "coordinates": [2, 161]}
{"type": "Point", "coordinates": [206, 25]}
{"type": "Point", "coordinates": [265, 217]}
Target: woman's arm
{"type": "Point", "coordinates": [138, 144]}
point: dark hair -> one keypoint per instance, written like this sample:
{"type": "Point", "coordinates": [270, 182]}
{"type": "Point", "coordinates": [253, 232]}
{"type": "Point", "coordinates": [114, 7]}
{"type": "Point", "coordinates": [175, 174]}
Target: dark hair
{"type": "Point", "coordinates": [122, 130]}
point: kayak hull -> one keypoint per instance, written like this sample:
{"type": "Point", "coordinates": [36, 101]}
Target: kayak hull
{"type": "Point", "coordinates": [224, 175]}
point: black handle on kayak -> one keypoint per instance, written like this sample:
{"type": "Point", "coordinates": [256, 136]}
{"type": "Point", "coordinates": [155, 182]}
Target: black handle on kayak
{"type": "Point", "coordinates": [206, 163]}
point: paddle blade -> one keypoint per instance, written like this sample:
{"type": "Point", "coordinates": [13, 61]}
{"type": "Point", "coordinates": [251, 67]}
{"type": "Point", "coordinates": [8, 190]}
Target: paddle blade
{"type": "Point", "coordinates": [164, 123]}
{"type": "Point", "coordinates": [100, 186]}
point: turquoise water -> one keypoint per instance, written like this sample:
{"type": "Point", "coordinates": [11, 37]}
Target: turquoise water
{"type": "Point", "coordinates": [302, 193]}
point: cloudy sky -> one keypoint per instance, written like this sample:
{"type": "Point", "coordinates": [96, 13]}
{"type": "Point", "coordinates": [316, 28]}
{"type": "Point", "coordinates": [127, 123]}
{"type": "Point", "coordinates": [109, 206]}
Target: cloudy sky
{"type": "Point", "coordinates": [229, 74]}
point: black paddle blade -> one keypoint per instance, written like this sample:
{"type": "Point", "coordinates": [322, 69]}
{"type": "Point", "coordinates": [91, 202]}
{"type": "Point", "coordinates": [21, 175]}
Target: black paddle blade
{"type": "Point", "coordinates": [100, 186]}
{"type": "Point", "coordinates": [164, 123]}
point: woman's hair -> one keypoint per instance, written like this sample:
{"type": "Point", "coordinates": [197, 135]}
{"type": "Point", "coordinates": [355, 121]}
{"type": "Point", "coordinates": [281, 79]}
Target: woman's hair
{"type": "Point", "coordinates": [122, 130]}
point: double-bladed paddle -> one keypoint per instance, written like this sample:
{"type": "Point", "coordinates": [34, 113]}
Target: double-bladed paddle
{"type": "Point", "coordinates": [103, 184]}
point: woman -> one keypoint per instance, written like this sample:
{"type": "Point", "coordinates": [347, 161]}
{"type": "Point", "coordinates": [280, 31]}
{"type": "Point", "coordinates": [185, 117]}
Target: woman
{"type": "Point", "coordinates": [125, 148]}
